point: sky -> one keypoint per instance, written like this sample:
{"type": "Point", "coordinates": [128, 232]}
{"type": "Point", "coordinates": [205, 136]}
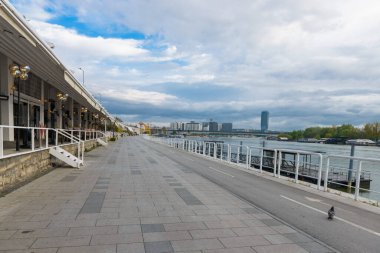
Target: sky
{"type": "Point", "coordinates": [307, 62]}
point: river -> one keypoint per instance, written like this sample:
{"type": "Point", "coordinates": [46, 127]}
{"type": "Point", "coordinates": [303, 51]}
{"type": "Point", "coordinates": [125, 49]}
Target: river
{"type": "Point", "coordinates": [329, 149]}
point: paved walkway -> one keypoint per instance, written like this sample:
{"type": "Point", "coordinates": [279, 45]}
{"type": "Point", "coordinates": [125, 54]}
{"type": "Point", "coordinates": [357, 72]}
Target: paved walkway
{"type": "Point", "coordinates": [128, 198]}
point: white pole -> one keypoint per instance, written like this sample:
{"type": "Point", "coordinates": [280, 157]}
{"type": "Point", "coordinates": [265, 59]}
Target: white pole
{"type": "Point", "coordinates": [297, 167]}
{"type": "Point", "coordinates": [357, 185]}
{"type": "Point", "coordinates": [327, 174]}
{"type": "Point", "coordinates": [1, 142]}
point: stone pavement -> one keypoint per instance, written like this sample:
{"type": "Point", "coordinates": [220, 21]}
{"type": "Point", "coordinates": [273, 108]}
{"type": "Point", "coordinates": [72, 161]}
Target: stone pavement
{"type": "Point", "coordinates": [129, 198]}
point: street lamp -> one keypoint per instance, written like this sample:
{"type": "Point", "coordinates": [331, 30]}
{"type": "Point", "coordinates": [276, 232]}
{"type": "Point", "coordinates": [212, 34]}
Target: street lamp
{"type": "Point", "coordinates": [18, 72]}
{"type": "Point", "coordinates": [62, 97]}
{"type": "Point", "coordinates": [82, 75]}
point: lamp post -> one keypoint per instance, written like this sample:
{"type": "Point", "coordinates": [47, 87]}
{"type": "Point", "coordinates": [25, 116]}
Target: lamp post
{"type": "Point", "coordinates": [18, 72]}
{"type": "Point", "coordinates": [82, 75]}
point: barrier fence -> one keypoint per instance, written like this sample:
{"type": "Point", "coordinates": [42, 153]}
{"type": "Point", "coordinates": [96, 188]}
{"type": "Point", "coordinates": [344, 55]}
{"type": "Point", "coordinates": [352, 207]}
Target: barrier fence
{"type": "Point", "coordinates": [323, 171]}
{"type": "Point", "coordinates": [32, 139]}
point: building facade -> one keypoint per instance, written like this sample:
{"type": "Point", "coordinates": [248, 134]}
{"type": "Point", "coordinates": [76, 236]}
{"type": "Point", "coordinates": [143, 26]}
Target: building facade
{"type": "Point", "coordinates": [193, 126]}
{"type": "Point", "coordinates": [46, 96]}
{"type": "Point", "coordinates": [264, 121]}
{"type": "Point", "coordinates": [226, 127]}
{"type": "Point", "coordinates": [213, 126]}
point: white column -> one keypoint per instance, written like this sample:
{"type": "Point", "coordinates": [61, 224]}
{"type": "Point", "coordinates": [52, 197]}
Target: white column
{"type": "Point", "coordinates": [6, 106]}
{"type": "Point", "coordinates": [42, 105]}
{"type": "Point", "coordinates": [70, 105]}
{"type": "Point", "coordinates": [59, 119]}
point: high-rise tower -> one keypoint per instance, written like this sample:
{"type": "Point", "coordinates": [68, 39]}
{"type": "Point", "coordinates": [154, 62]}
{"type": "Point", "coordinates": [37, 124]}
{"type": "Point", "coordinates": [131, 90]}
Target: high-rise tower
{"type": "Point", "coordinates": [264, 121]}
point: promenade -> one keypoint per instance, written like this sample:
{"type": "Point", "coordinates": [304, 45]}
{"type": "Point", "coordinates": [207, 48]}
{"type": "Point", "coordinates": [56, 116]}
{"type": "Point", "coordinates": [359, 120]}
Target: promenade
{"type": "Point", "coordinates": [129, 198]}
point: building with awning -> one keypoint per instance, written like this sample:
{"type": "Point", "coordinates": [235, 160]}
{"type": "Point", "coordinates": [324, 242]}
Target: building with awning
{"type": "Point", "coordinates": [50, 96]}
{"type": "Point", "coordinates": [42, 105]}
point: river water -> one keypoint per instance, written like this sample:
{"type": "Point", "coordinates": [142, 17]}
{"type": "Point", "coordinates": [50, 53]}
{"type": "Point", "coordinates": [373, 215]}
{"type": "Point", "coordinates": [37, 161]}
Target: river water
{"type": "Point", "coordinates": [327, 149]}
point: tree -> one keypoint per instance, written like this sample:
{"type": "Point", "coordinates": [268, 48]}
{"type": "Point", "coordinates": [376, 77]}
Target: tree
{"type": "Point", "coordinates": [296, 135]}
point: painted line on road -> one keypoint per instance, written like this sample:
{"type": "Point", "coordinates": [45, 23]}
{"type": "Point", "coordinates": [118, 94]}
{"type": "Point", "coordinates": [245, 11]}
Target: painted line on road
{"type": "Point", "coordinates": [338, 218]}
{"type": "Point", "coordinates": [221, 172]}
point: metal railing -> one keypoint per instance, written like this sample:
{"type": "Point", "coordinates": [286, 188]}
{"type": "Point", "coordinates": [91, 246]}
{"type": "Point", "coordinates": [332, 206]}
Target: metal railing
{"type": "Point", "coordinates": [38, 138]}
{"type": "Point", "coordinates": [347, 177]}
{"type": "Point", "coordinates": [298, 165]}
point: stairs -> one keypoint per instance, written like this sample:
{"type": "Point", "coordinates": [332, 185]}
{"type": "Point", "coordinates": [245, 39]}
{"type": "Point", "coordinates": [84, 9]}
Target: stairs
{"type": "Point", "coordinates": [101, 142]}
{"type": "Point", "coordinates": [66, 157]}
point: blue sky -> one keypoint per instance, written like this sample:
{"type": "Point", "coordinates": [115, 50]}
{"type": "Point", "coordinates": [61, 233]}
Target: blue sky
{"type": "Point", "coordinates": [307, 62]}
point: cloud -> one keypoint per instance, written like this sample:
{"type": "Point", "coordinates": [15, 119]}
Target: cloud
{"type": "Point", "coordinates": [307, 62]}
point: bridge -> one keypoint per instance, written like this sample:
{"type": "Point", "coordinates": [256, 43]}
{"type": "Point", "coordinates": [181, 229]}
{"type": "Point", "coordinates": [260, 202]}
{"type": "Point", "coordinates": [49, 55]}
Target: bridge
{"type": "Point", "coordinates": [252, 133]}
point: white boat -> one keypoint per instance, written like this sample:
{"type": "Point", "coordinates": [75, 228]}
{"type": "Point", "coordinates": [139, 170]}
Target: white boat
{"type": "Point", "coordinates": [361, 142]}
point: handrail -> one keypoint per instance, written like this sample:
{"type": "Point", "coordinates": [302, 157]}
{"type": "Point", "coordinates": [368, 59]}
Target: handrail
{"type": "Point", "coordinates": [77, 140]}
{"type": "Point", "coordinates": [39, 132]}
{"type": "Point", "coordinates": [313, 168]}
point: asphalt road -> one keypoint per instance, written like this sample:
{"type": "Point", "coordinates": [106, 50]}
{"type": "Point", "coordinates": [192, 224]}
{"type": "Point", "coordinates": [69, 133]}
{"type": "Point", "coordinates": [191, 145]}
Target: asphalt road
{"type": "Point", "coordinates": [353, 229]}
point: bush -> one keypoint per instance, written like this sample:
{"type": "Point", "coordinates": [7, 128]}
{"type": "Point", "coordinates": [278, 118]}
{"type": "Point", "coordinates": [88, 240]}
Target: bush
{"type": "Point", "coordinates": [112, 139]}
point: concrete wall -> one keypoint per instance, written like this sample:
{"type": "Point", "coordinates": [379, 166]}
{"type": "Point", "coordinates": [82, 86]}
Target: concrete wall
{"type": "Point", "coordinates": [16, 170]}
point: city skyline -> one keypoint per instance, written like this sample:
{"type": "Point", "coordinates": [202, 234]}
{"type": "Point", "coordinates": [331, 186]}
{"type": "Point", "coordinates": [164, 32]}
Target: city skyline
{"type": "Point", "coordinates": [308, 63]}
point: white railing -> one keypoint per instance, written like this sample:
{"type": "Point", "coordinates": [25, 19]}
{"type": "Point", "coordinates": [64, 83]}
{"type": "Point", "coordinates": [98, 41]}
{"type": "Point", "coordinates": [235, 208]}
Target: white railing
{"type": "Point", "coordinates": [86, 135]}
{"type": "Point", "coordinates": [355, 173]}
{"type": "Point", "coordinates": [37, 138]}
{"type": "Point", "coordinates": [73, 139]}
{"type": "Point", "coordinates": [299, 165]}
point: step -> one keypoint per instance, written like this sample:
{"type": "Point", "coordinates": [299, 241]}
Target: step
{"type": "Point", "coordinates": [66, 157]}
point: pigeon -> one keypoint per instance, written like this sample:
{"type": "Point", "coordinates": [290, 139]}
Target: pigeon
{"type": "Point", "coordinates": [331, 213]}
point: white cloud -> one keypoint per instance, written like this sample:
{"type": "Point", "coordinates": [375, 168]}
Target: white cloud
{"type": "Point", "coordinates": [138, 96]}
{"type": "Point", "coordinates": [89, 48]}
{"type": "Point", "coordinates": [292, 57]}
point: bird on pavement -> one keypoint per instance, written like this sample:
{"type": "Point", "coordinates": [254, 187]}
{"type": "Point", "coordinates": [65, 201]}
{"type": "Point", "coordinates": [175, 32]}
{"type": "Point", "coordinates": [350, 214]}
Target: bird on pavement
{"type": "Point", "coordinates": [331, 213]}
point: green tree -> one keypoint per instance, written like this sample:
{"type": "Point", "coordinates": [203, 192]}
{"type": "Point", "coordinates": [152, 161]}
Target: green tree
{"type": "Point", "coordinates": [296, 135]}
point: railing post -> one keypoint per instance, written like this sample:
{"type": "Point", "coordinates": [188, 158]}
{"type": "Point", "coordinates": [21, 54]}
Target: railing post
{"type": "Point", "coordinates": [83, 151]}
{"type": "Point", "coordinates": [357, 184]}
{"type": "Point", "coordinates": [215, 147]}
{"type": "Point", "coordinates": [56, 137]}
{"type": "Point", "coordinates": [248, 157]}
{"type": "Point", "coordinates": [326, 174]}
{"type": "Point", "coordinates": [221, 151]}
{"type": "Point", "coordinates": [72, 134]}
{"type": "Point", "coordinates": [1, 142]}
{"type": "Point", "coordinates": [32, 136]}
{"type": "Point", "coordinates": [47, 137]}
{"type": "Point", "coordinates": [261, 160]}
{"type": "Point", "coordinates": [279, 164]}
{"type": "Point", "coordinates": [238, 155]}
{"type": "Point", "coordinates": [320, 172]}
{"type": "Point", "coordinates": [229, 153]}
{"type": "Point", "coordinates": [275, 163]}
{"type": "Point", "coordinates": [297, 167]}
{"type": "Point", "coordinates": [204, 148]}
{"type": "Point", "coordinates": [79, 150]}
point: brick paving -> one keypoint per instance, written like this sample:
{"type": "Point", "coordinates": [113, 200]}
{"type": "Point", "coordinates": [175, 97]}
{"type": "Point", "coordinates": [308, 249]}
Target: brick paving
{"type": "Point", "coordinates": [131, 199]}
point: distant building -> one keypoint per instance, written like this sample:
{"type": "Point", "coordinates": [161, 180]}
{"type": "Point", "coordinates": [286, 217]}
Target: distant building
{"type": "Point", "coordinates": [213, 126]}
{"type": "Point", "coordinates": [226, 127]}
{"type": "Point", "coordinates": [264, 121]}
{"type": "Point", "coordinates": [205, 126]}
{"type": "Point", "coordinates": [177, 126]}
{"type": "Point", "coordinates": [193, 126]}
{"type": "Point", "coordinates": [174, 126]}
